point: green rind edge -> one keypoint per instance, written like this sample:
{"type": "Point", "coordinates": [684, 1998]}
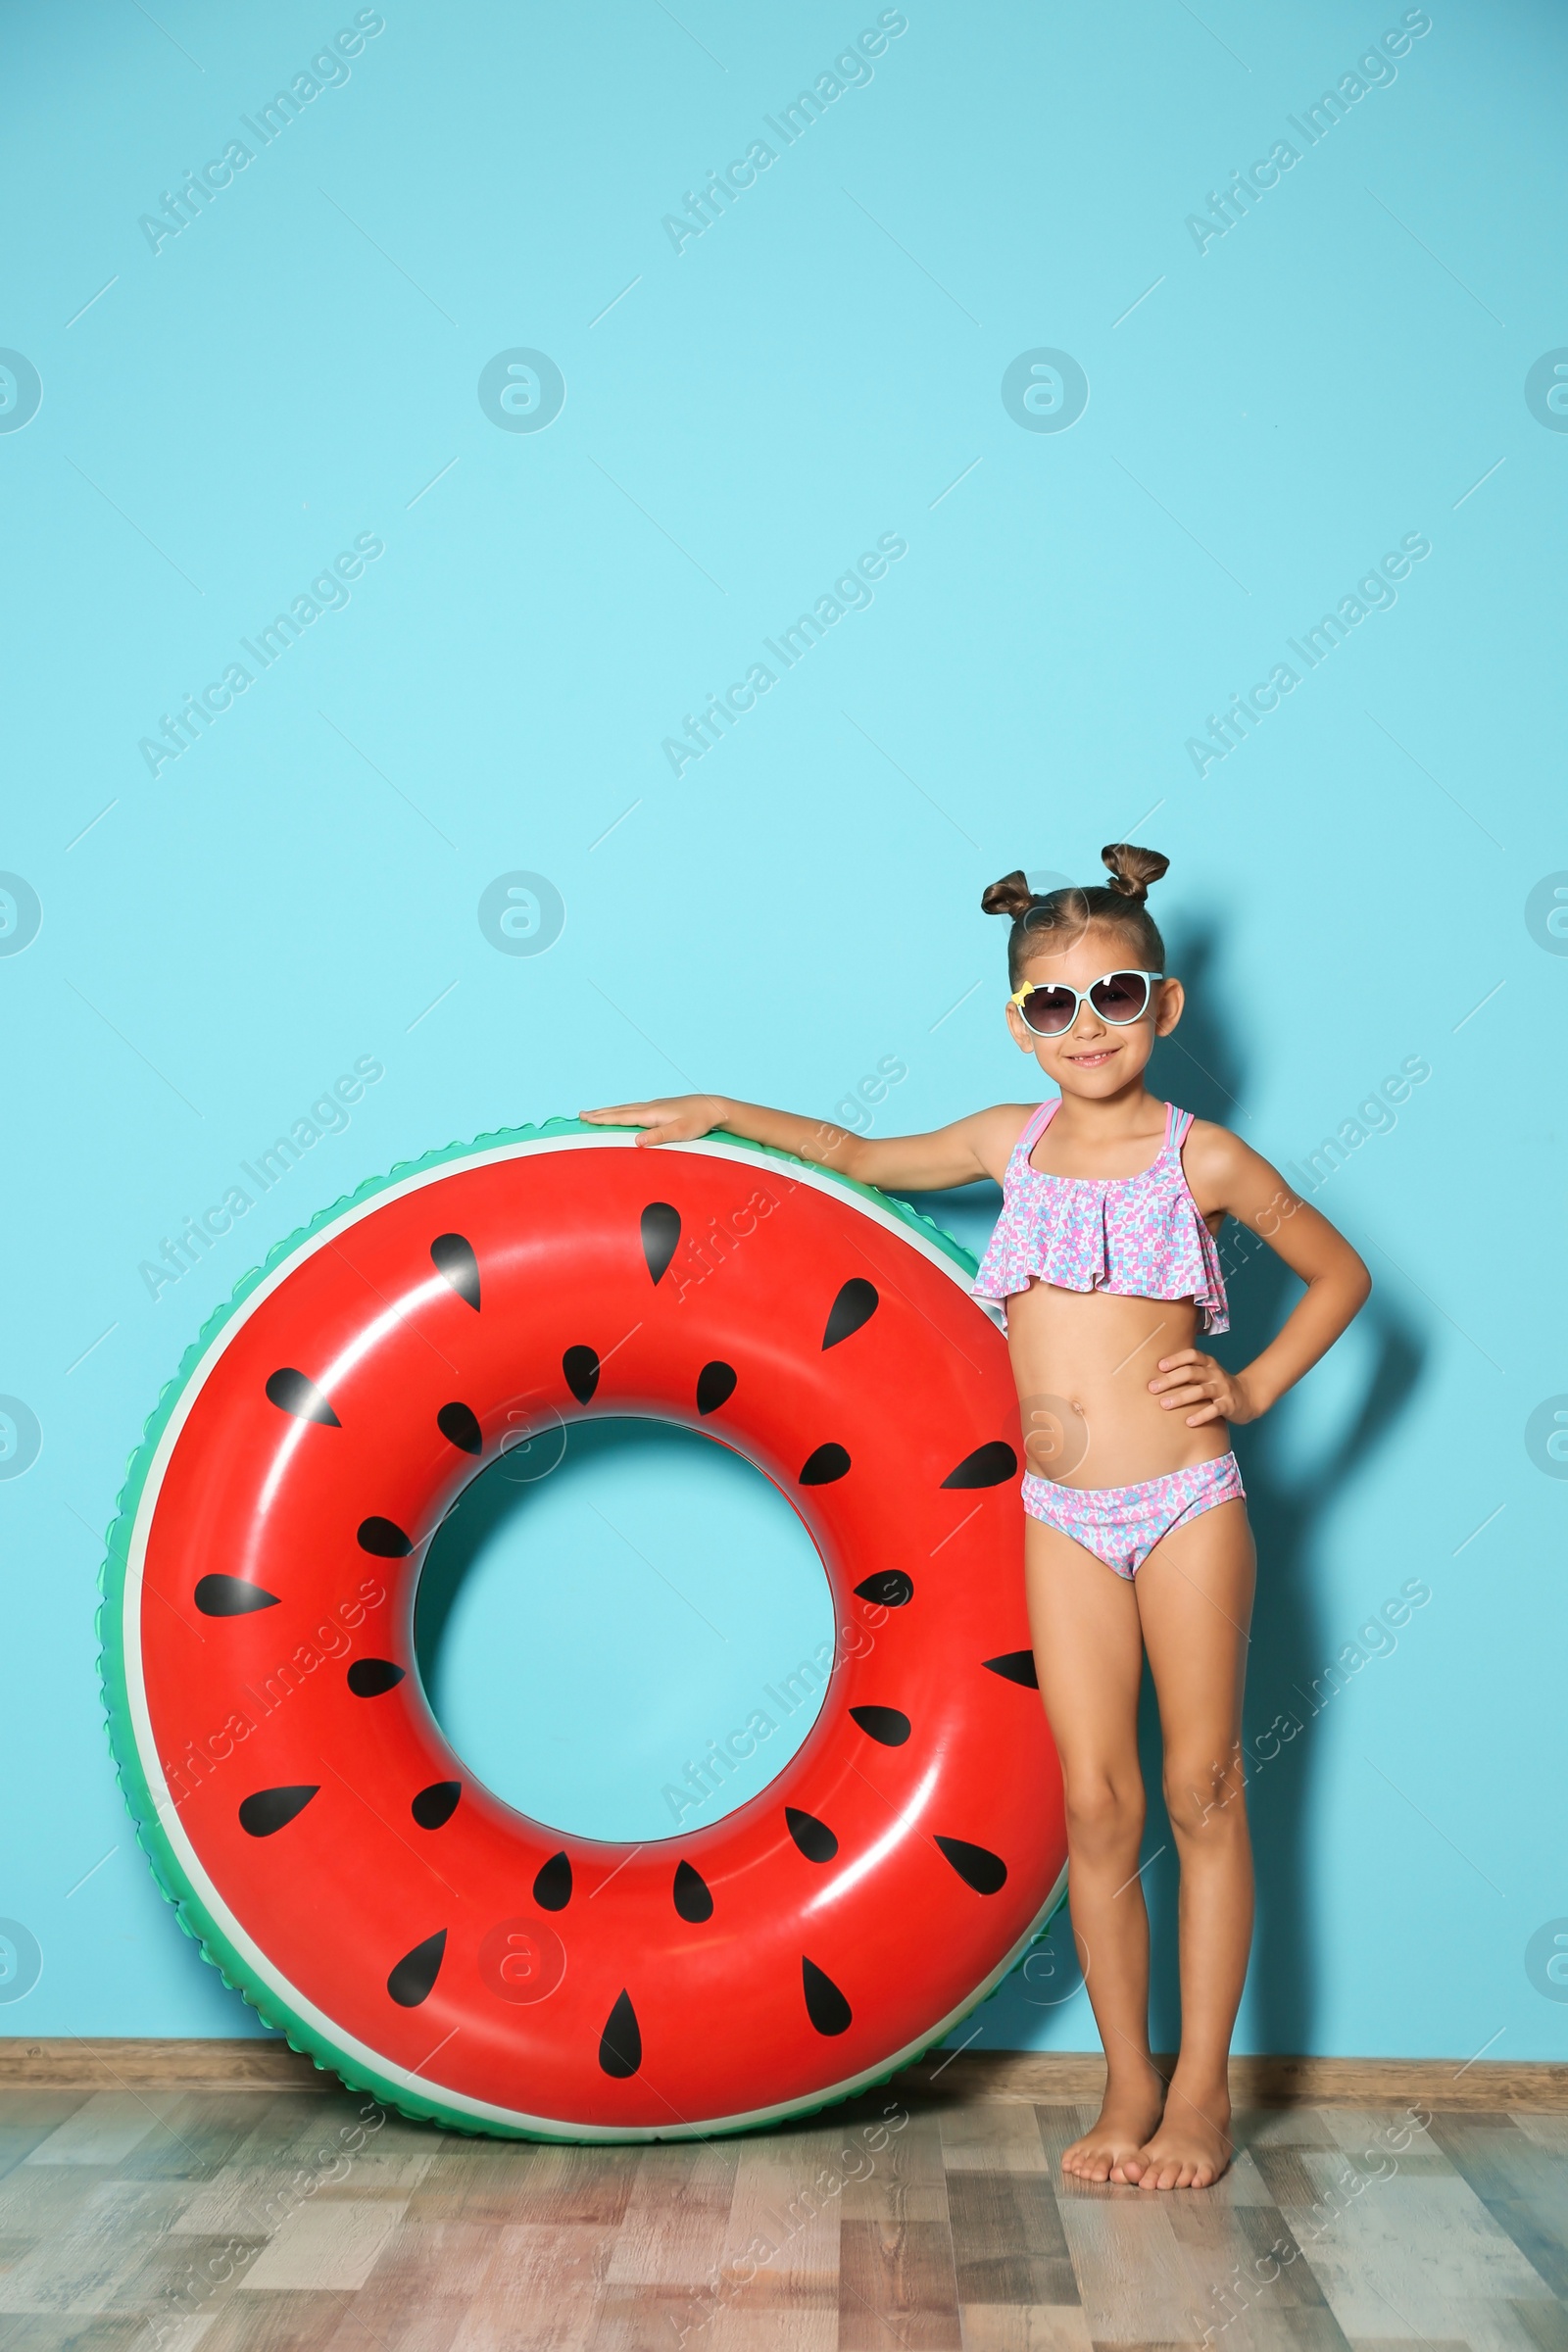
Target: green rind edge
{"type": "Point", "coordinates": [166, 1867]}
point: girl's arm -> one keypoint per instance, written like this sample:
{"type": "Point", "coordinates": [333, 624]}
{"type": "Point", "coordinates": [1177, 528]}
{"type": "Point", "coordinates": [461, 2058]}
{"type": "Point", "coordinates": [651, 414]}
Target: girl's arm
{"type": "Point", "coordinates": [963, 1153]}
{"type": "Point", "coordinates": [1226, 1174]}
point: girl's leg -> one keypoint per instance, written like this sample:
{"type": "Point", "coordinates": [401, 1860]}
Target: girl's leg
{"type": "Point", "coordinates": [1195, 1600]}
{"type": "Point", "coordinates": [1089, 1655]}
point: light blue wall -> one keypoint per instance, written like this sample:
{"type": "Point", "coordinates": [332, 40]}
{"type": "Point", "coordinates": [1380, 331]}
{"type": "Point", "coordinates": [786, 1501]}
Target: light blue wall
{"type": "Point", "coordinates": [1348, 888]}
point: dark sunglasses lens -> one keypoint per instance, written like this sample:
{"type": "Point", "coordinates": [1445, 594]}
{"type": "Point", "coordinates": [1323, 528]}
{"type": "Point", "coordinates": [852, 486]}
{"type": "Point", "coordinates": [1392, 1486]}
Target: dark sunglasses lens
{"type": "Point", "coordinates": [1050, 1010]}
{"type": "Point", "coordinates": [1121, 996]}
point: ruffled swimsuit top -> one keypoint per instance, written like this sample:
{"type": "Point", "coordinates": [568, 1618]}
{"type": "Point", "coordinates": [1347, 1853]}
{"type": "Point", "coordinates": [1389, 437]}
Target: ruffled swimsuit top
{"type": "Point", "coordinates": [1142, 1236]}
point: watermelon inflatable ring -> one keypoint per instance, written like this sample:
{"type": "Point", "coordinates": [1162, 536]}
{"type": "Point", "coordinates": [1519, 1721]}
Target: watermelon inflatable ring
{"type": "Point", "coordinates": [298, 1801]}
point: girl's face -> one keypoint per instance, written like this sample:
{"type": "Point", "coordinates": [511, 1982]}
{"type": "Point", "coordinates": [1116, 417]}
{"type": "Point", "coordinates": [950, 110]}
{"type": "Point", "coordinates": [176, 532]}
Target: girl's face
{"type": "Point", "coordinates": [1095, 1058]}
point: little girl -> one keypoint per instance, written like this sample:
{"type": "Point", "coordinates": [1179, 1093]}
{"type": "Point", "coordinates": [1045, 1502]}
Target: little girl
{"type": "Point", "coordinates": [1136, 1536]}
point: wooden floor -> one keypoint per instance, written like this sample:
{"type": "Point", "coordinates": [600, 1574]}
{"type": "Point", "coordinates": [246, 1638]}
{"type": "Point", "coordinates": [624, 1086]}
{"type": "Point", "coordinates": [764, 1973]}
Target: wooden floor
{"type": "Point", "coordinates": [296, 2220]}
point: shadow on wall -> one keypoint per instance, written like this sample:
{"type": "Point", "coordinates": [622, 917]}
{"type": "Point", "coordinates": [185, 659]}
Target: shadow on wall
{"type": "Point", "coordinates": [1202, 1069]}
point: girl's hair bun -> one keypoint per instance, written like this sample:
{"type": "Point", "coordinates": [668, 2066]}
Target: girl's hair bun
{"type": "Point", "coordinates": [1053, 923]}
{"type": "Point", "coordinates": [1132, 869]}
{"type": "Point", "coordinates": [1011, 896]}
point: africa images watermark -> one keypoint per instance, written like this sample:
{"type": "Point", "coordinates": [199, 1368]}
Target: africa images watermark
{"type": "Point", "coordinates": [705, 1778]}
{"type": "Point", "coordinates": [1229, 206]}
{"type": "Point", "coordinates": [703, 1252]}
{"type": "Point", "coordinates": [328, 1114]}
{"type": "Point", "coordinates": [854, 1111]}
{"type": "Point", "coordinates": [328, 593]}
{"type": "Point", "coordinates": [729, 2279]}
{"type": "Point", "coordinates": [1374, 1639]}
{"type": "Point", "coordinates": [327, 70]}
{"type": "Point", "coordinates": [1330, 2204]}
{"type": "Point", "coordinates": [1374, 592]}
{"type": "Point", "coordinates": [850, 593]}
{"type": "Point", "coordinates": [849, 69]}
{"type": "Point", "coordinates": [176, 2312]}
{"type": "Point", "coordinates": [1373, 1115]}
{"type": "Point", "coordinates": [185, 1773]}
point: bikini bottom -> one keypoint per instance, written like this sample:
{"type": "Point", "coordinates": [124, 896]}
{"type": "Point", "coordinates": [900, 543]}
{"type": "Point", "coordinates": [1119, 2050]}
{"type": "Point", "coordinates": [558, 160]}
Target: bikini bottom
{"type": "Point", "coordinates": [1121, 1525]}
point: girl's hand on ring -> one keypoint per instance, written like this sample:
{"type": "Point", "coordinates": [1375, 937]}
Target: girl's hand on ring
{"type": "Point", "coordinates": [1192, 1378]}
{"type": "Point", "coordinates": [672, 1119]}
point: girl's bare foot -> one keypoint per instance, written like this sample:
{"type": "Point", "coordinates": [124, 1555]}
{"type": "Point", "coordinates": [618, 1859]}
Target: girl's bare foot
{"type": "Point", "coordinates": [1126, 2119]}
{"type": "Point", "coordinates": [1192, 2146]}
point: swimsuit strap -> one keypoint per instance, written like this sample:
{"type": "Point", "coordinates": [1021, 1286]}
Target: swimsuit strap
{"type": "Point", "coordinates": [1177, 1132]}
{"type": "Point", "coordinates": [1036, 1128]}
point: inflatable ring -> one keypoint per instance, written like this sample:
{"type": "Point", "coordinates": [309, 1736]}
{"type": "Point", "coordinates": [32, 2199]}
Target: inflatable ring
{"type": "Point", "coordinates": [293, 1791]}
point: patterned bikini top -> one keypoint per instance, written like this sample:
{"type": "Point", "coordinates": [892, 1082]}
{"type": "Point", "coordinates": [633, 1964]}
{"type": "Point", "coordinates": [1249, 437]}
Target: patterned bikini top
{"type": "Point", "coordinates": [1141, 1236]}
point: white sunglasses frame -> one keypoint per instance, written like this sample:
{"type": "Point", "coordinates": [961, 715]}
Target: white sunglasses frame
{"type": "Point", "coordinates": [1083, 996]}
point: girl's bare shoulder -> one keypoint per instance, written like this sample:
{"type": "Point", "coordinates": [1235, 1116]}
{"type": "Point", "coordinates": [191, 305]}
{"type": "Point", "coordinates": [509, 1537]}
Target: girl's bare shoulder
{"type": "Point", "coordinates": [1220, 1168]}
{"type": "Point", "coordinates": [996, 1131]}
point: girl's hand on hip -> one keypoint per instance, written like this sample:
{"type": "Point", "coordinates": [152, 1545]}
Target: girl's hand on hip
{"type": "Point", "coordinates": [1192, 1378]}
{"type": "Point", "coordinates": [673, 1119]}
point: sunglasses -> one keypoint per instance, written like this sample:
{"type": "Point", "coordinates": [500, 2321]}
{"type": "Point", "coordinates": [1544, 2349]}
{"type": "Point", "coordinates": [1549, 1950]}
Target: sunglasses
{"type": "Point", "coordinates": [1051, 1009]}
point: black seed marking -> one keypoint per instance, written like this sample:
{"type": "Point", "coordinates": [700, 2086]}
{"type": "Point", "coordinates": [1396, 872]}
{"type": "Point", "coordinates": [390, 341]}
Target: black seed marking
{"type": "Point", "coordinates": [272, 1809]}
{"type": "Point", "coordinates": [434, 1807]}
{"type": "Point", "coordinates": [715, 1385]}
{"type": "Point", "coordinates": [369, 1677]}
{"type": "Point", "coordinates": [976, 1865]}
{"type": "Point", "coordinates": [385, 1539]}
{"type": "Point", "coordinates": [454, 1261]}
{"type": "Point", "coordinates": [856, 1304]}
{"type": "Point", "coordinates": [823, 1466]}
{"type": "Point", "coordinates": [295, 1392]}
{"type": "Point", "coordinates": [415, 1973]}
{"type": "Point", "coordinates": [230, 1597]}
{"type": "Point", "coordinates": [825, 2007]}
{"type": "Point", "coordinates": [458, 1423]}
{"type": "Point", "coordinates": [883, 1724]}
{"type": "Point", "coordinates": [693, 1899]}
{"type": "Point", "coordinates": [990, 1465]}
{"type": "Point", "coordinates": [660, 1231]}
{"type": "Point", "coordinates": [581, 1368]}
{"type": "Point", "coordinates": [552, 1889]}
{"type": "Point", "coordinates": [888, 1589]}
{"type": "Point", "coordinates": [621, 2044]}
{"type": "Point", "coordinates": [1016, 1666]}
{"type": "Point", "coordinates": [815, 1839]}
